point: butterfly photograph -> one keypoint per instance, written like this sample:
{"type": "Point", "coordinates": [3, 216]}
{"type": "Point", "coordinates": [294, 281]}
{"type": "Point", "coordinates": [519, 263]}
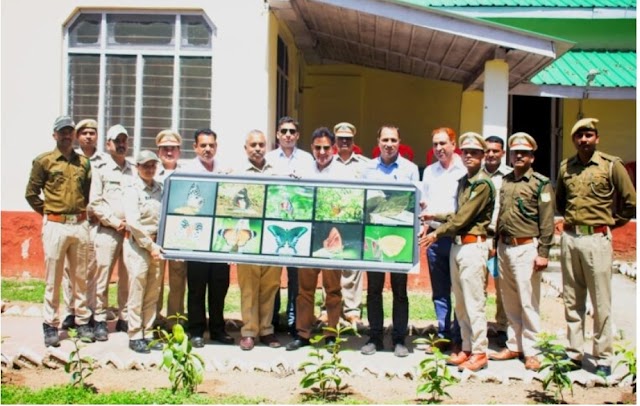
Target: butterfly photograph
{"type": "Point", "coordinates": [393, 207]}
{"type": "Point", "coordinates": [236, 235]}
{"type": "Point", "coordinates": [339, 204]}
{"type": "Point", "coordinates": [240, 200]}
{"type": "Point", "coordinates": [388, 244]}
{"type": "Point", "coordinates": [187, 233]}
{"type": "Point", "coordinates": [289, 202]}
{"type": "Point", "coordinates": [191, 197]}
{"type": "Point", "coordinates": [286, 238]}
{"type": "Point", "coordinates": [339, 241]}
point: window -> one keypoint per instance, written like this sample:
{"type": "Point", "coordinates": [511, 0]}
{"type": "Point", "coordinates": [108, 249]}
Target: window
{"type": "Point", "coordinates": [147, 72]}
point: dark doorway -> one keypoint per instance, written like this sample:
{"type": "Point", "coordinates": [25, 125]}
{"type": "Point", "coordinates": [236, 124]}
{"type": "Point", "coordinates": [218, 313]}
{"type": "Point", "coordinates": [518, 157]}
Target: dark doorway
{"type": "Point", "coordinates": [532, 115]}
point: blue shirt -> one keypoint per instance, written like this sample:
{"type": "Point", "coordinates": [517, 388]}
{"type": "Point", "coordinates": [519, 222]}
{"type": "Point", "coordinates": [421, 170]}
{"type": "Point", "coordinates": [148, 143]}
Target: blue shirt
{"type": "Point", "coordinates": [401, 170]}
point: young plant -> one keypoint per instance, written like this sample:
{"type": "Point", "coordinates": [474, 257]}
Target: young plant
{"type": "Point", "coordinates": [556, 361]}
{"type": "Point", "coordinates": [78, 366]}
{"type": "Point", "coordinates": [433, 375]}
{"type": "Point", "coordinates": [186, 369]}
{"type": "Point", "coordinates": [326, 371]}
{"type": "Point", "coordinates": [628, 360]}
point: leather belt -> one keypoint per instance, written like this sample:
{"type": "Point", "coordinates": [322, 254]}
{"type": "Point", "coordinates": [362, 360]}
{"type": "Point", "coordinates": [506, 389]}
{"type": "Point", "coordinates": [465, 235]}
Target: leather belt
{"type": "Point", "coordinates": [468, 239]}
{"type": "Point", "coordinates": [516, 240]}
{"type": "Point", "coordinates": [586, 230]}
{"type": "Point", "coordinates": [66, 218]}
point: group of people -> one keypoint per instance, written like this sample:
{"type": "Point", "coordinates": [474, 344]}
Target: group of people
{"type": "Point", "coordinates": [100, 210]}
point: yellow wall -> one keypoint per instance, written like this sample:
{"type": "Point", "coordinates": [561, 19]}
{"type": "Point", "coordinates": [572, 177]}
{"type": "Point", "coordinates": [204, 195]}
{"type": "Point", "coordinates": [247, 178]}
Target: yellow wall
{"type": "Point", "coordinates": [369, 98]}
{"type": "Point", "coordinates": [617, 126]}
{"type": "Point", "coordinates": [471, 111]}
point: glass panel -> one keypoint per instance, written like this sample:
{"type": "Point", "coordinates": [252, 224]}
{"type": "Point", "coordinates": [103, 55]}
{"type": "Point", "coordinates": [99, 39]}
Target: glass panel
{"type": "Point", "coordinates": [196, 33]}
{"type": "Point", "coordinates": [157, 95]}
{"type": "Point", "coordinates": [195, 99]}
{"type": "Point", "coordinates": [83, 86]}
{"type": "Point", "coordinates": [140, 29]}
{"type": "Point", "coordinates": [120, 94]}
{"type": "Point", "coordinates": [85, 30]}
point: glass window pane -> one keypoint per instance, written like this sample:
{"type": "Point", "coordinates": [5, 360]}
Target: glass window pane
{"type": "Point", "coordinates": [85, 30]}
{"type": "Point", "coordinates": [157, 95]}
{"type": "Point", "coordinates": [195, 32]}
{"type": "Point", "coordinates": [83, 86]}
{"type": "Point", "coordinates": [140, 29]}
{"type": "Point", "coordinates": [195, 99]}
{"type": "Point", "coordinates": [120, 94]}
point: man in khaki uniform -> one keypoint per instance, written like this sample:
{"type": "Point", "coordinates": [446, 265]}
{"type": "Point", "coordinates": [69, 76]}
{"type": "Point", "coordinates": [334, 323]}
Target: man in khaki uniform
{"type": "Point", "coordinates": [64, 178]}
{"type": "Point", "coordinates": [587, 185]}
{"type": "Point", "coordinates": [525, 233]}
{"type": "Point", "coordinates": [168, 143]}
{"type": "Point", "coordinates": [107, 188]}
{"type": "Point", "coordinates": [469, 252]}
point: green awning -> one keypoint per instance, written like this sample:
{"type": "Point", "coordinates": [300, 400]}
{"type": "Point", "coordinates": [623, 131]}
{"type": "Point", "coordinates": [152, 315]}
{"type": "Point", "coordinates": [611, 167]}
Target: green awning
{"type": "Point", "coordinates": [616, 69]}
{"type": "Point", "coordinates": [524, 3]}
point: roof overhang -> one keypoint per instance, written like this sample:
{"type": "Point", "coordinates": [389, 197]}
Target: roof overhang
{"type": "Point", "coordinates": [419, 41]}
{"type": "Point", "coordinates": [575, 92]}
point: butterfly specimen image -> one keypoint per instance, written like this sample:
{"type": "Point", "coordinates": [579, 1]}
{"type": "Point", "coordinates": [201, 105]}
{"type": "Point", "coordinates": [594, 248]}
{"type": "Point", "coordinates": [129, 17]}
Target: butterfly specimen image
{"type": "Point", "coordinates": [289, 202]}
{"type": "Point", "coordinates": [339, 241]}
{"type": "Point", "coordinates": [238, 236]}
{"type": "Point", "coordinates": [390, 207]}
{"type": "Point", "coordinates": [240, 200]}
{"type": "Point", "coordinates": [339, 204]}
{"type": "Point", "coordinates": [193, 202]}
{"type": "Point", "coordinates": [233, 235]}
{"type": "Point", "coordinates": [191, 197]}
{"type": "Point", "coordinates": [286, 239]}
{"type": "Point", "coordinates": [190, 229]}
{"type": "Point", "coordinates": [388, 244]}
{"type": "Point", "coordinates": [183, 232]}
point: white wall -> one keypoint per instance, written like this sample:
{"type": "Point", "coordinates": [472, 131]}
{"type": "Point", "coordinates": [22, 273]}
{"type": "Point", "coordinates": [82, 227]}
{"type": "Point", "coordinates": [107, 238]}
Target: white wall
{"type": "Point", "coordinates": [32, 86]}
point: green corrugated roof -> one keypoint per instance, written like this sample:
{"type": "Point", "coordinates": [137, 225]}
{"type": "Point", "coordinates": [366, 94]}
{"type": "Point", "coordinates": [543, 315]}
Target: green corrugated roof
{"type": "Point", "coordinates": [617, 69]}
{"type": "Point", "coordinates": [523, 3]}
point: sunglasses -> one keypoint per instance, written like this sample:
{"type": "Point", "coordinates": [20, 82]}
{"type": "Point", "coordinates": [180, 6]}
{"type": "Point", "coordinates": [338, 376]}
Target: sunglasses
{"type": "Point", "coordinates": [291, 131]}
{"type": "Point", "coordinates": [322, 147]}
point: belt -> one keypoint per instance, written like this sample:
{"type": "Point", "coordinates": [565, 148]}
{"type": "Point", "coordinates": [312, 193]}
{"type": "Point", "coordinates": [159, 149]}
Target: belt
{"type": "Point", "coordinates": [586, 230]}
{"type": "Point", "coordinates": [66, 218]}
{"type": "Point", "coordinates": [516, 240]}
{"type": "Point", "coordinates": [127, 234]}
{"type": "Point", "coordinates": [468, 239]}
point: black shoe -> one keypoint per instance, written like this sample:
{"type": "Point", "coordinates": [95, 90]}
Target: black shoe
{"type": "Point", "coordinates": [371, 347]}
{"type": "Point", "coordinates": [222, 337]}
{"type": "Point", "coordinates": [297, 344]}
{"type": "Point", "coordinates": [51, 337]}
{"type": "Point", "coordinates": [85, 333]}
{"type": "Point", "coordinates": [603, 370]}
{"type": "Point", "coordinates": [139, 346]}
{"type": "Point", "coordinates": [197, 342]}
{"type": "Point", "coordinates": [154, 345]}
{"type": "Point", "coordinates": [501, 339]}
{"type": "Point", "coordinates": [122, 325]}
{"type": "Point", "coordinates": [100, 331]}
{"type": "Point", "coordinates": [574, 364]}
{"type": "Point", "coordinates": [68, 322]}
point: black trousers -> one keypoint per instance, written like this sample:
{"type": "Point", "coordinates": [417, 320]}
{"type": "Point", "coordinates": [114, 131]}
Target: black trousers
{"type": "Point", "coordinates": [375, 284]}
{"type": "Point", "coordinates": [201, 275]}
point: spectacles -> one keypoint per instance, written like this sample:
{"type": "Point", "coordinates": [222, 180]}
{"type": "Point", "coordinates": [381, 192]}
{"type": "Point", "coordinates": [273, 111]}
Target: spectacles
{"type": "Point", "coordinates": [322, 147]}
{"type": "Point", "coordinates": [291, 131]}
{"type": "Point", "coordinates": [344, 139]}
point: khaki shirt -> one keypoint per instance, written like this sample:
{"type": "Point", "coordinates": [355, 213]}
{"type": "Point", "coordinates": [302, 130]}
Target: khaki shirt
{"type": "Point", "coordinates": [248, 167]}
{"type": "Point", "coordinates": [475, 207]}
{"type": "Point", "coordinates": [585, 193]}
{"type": "Point", "coordinates": [142, 204]}
{"type": "Point", "coordinates": [107, 187]}
{"type": "Point", "coordinates": [65, 183]}
{"type": "Point", "coordinates": [496, 178]}
{"type": "Point", "coordinates": [355, 164]}
{"type": "Point", "coordinates": [526, 209]}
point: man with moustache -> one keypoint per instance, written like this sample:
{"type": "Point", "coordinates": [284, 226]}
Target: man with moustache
{"type": "Point", "coordinates": [525, 232]}
{"type": "Point", "coordinates": [469, 253]}
{"type": "Point", "coordinates": [594, 194]}
{"type": "Point", "coordinates": [64, 178]}
{"type": "Point", "coordinates": [388, 167]}
{"type": "Point", "coordinates": [107, 188]}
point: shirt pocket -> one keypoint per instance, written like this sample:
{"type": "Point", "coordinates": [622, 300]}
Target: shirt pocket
{"type": "Point", "coordinates": [600, 185]}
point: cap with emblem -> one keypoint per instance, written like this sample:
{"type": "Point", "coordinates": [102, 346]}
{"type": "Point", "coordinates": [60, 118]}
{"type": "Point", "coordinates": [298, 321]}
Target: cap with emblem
{"type": "Point", "coordinates": [585, 124]}
{"type": "Point", "coordinates": [167, 138]}
{"type": "Point", "coordinates": [522, 141]}
{"type": "Point", "coordinates": [116, 130]}
{"type": "Point", "coordinates": [471, 140]}
{"type": "Point", "coordinates": [344, 129]}
{"type": "Point", "coordinates": [145, 156]}
{"type": "Point", "coordinates": [62, 122]}
{"type": "Point", "coordinates": [87, 123]}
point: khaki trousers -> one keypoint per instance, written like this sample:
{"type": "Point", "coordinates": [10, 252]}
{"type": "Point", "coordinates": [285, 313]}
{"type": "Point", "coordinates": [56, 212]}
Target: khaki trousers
{"type": "Point", "coordinates": [351, 283]}
{"type": "Point", "coordinates": [520, 295]}
{"type": "Point", "coordinates": [258, 285]}
{"type": "Point", "coordinates": [108, 247]}
{"type": "Point", "coordinates": [144, 289]}
{"type": "Point", "coordinates": [65, 243]}
{"type": "Point", "coordinates": [586, 267]}
{"type": "Point", "coordinates": [177, 289]}
{"type": "Point", "coordinates": [307, 282]}
{"type": "Point", "coordinates": [67, 283]}
{"type": "Point", "coordinates": [468, 276]}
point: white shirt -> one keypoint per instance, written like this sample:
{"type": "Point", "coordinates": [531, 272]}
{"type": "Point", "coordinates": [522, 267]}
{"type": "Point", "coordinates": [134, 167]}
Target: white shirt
{"type": "Point", "coordinates": [289, 165]}
{"type": "Point", "coordinates": [333, 171]}
{"type": "Point", "coordinates": [195, 166]}
{"type": "Point", "coordinates": [440, 186]}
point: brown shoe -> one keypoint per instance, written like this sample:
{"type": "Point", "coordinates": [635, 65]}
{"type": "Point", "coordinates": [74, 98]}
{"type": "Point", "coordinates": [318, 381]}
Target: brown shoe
{"type": "Point", "coordinates": [271, 341]}
{"type": "Point", "coordinates": [247, 343]}
{"type": "Point", "coordinates": [504, 355]}
{"type": "Point", "coordinates": [455, 348]}
{"type": "Point", "coordinates": [475, 363]}
{"type": "Point", "coordinates": [531, 363]}
{"type": "Point", "coordinates": [458, 358]}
